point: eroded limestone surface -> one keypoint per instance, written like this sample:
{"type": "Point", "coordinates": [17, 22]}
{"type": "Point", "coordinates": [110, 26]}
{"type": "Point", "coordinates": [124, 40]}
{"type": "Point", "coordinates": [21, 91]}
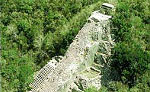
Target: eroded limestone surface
{"type": "Point", "coordinates": [77, 68]}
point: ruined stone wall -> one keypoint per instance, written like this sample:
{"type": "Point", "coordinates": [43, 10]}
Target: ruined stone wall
{"type": "Point", "coordinates": [76, 67]}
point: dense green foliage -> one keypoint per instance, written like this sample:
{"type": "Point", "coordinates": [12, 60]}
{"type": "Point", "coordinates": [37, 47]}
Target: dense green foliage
{"type": "Point", "coordinates": [33, 31]}
{"type": "Point", "coordinates": [131, 55]}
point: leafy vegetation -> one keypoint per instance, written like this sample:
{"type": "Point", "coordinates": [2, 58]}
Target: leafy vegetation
{"type": "Point", "coordinates": [33, 31]}
{"type": "Point", "coordinates": [131, 56]}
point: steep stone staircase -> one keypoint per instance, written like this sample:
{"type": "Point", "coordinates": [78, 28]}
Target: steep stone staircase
{"type": "Point", "coordinates": [78, 69]}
